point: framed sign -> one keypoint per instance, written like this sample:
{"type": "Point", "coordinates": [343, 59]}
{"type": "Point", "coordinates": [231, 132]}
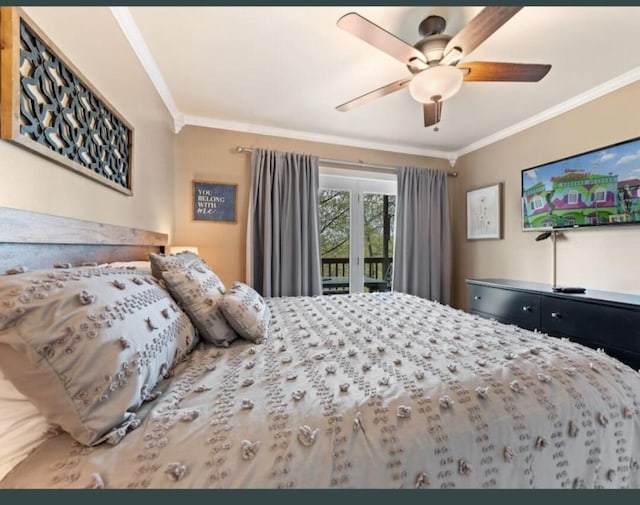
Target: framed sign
{"type": "Point", "coordinates": [214, 202]}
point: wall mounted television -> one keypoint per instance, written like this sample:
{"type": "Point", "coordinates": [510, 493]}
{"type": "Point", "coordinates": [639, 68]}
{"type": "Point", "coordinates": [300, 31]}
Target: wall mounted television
{"type": "Point", "coordinates": [595, 188]}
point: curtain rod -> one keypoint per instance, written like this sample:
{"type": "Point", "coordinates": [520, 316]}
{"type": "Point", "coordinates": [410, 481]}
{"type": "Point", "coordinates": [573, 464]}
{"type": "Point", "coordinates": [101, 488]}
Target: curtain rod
{"type": "Point", "coordinates": [355, 164]}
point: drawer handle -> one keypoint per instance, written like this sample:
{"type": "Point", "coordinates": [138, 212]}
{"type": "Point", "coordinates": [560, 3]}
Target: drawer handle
{"type": "Point", "coordinates": [477, 297]}
{"type": "Point", "coordinates": [526, 308]}
{"type": "Point", "coordinates": [556, 315]}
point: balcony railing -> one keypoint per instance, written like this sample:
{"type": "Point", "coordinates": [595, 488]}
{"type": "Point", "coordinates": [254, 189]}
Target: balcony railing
{"type": "Point", "coordinates": [374, 268]}
{"type": "Point", "coordinates": [339, 267]}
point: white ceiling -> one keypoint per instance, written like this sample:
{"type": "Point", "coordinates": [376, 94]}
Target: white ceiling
{"type": "Point", "coordinates": [283, 70]}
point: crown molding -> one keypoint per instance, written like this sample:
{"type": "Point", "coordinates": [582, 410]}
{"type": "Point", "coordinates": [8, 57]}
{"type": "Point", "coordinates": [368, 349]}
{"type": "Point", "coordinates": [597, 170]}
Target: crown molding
{"type": "Point", "coordinates": [140, 48]}
{"type": "Point", "coordinates": [310, 136]}
{"type": "Point", "coordinates": [132, 32]}
{"type": "Point", "coordinates": [578, 100]}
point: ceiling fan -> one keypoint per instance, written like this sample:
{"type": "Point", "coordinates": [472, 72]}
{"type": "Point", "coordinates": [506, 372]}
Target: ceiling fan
{"type": "Point", "coordinates": [434, 60]}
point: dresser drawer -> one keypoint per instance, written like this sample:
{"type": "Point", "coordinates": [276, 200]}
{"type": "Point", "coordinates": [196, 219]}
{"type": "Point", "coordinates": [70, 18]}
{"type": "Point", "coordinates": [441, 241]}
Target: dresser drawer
{"type": "Point", "coordinates": [516, 307]}
{"type": "Point", "coordinates": [595, 319]}
{"type": "Point", "coordinates": [599, 324]}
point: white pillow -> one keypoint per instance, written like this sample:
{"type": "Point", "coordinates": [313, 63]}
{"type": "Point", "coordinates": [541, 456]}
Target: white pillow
{"type": "Point", "coordinates": [22, 426]}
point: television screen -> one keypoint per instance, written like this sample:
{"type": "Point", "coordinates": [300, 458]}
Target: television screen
{"type": "Point", "coordinates": [599, 187]}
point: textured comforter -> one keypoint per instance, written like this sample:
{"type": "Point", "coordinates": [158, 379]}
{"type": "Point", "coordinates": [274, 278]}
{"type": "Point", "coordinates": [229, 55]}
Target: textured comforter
{"type": "Point", "coordinates": [372, 391]}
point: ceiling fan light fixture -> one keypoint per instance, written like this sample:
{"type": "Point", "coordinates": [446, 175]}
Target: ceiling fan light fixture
{"type": "Point", "coordinates": [437, 80]}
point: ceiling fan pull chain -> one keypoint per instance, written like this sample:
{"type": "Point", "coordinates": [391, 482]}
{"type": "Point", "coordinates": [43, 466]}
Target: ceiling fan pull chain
{"type": "Point", "coordinates": [438, 110]}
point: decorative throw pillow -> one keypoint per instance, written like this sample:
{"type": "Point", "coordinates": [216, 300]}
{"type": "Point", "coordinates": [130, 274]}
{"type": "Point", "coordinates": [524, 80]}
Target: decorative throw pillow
{"type": "Point", "coordinates": [246, 311]}
{"type": "Point", "coordinates": [163, 262]}
{"type": "Point", "coordinates": [199, 291]}
{"type": "Point", "coordinates": [88, 345]}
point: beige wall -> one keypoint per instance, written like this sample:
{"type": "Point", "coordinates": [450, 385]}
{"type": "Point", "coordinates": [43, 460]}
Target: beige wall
{"type": "Point", "coordinates": [209, 155]}
{"type": "Point", "coordinates": [604, 259]}
{"type": "Point", "coordinates": [165, 166]}
{"type": "Point", "coordinates": [91, 39]}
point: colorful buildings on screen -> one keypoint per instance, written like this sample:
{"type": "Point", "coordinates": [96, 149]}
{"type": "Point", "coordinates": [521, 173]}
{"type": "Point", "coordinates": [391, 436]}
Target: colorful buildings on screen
{"type": "Point", "coordinates": [581, 198]}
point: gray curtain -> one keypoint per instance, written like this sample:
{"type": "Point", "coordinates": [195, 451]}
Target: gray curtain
{"type": "Point", "coordinates": [284, 236]}
{"type": "Point", "coordinates": [422, 256]}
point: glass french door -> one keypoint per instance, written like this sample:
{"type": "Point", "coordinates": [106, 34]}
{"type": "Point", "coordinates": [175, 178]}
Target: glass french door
{"type": "Point", "coordinates": [335, 240]}
{"type": "Point", "coordinates": [357, 218]}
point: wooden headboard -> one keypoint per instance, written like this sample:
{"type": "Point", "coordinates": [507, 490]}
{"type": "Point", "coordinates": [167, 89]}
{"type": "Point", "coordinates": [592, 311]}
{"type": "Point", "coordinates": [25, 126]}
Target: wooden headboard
{"type": "Point", "coordinates": [39, 240]}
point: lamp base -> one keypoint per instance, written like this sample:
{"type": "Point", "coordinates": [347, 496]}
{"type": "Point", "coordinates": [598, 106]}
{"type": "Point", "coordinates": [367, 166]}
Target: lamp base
{"type": "Point", "coordinates": [568, 289]}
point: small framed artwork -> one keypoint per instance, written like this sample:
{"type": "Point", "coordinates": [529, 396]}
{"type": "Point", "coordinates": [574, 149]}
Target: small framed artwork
{"type": "Point", "coordinates": [484, 213]}
{"type": "Point", "coordinates": [214, 202]}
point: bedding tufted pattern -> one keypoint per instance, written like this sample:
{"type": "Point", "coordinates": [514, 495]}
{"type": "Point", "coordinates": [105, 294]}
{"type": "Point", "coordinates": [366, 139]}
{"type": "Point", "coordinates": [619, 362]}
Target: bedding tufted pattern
{"type": "Point", "coordinates": [381, 390]}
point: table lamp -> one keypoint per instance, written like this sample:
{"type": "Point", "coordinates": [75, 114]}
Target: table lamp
{"type": "Point", "coordinates": [558, 289]}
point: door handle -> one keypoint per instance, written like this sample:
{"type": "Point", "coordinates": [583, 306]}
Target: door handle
{"type": "Point", "coordinates": [526, 308]}
{"type": "Point", "coordinates": [556, 315]}
{"type": "Point", "coordinates": [477, 297]}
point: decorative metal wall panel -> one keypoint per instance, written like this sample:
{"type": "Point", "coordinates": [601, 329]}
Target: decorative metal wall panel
{"type": "Point", "coordinates": [55, 111]}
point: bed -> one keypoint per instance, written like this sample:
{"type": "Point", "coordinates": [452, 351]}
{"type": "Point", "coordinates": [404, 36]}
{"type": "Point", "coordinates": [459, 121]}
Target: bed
{"type": "Point", "coordinates": [380, 390]}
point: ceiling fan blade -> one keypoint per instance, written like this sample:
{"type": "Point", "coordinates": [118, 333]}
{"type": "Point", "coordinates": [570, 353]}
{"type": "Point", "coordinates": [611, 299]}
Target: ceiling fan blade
{"type": "Point", "coordinates": [381, 39]}
{"type": "Point", "coordinates": [496, 71]}
{"type": "Point", "coordinates": [376, 93]}
{"type": "Point", "coordinates": [432, 113]}
{"type": "Point", "coordinates": [480, 28]}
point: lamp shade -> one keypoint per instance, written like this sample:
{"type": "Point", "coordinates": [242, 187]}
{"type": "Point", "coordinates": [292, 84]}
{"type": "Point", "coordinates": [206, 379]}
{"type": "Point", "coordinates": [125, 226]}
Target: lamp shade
{"type": "Point", "coordinates": [182, 248]}
{"type": "Point", "coordinates": [440, 80]}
